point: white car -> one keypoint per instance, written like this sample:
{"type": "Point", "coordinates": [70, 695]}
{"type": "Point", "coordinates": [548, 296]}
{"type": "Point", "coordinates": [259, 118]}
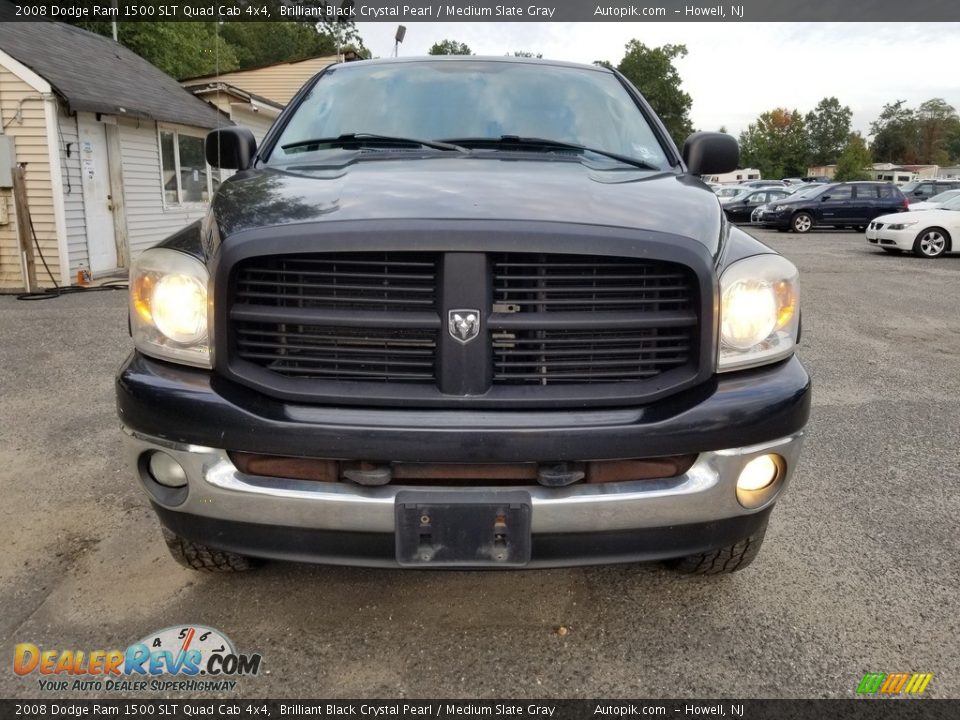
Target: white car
{"type": "Point", "coordinates": [937, 201]}
{"type": "Point", "coordinates": [725, 192]}
{"type": "Point", "coordinates": [928, 233]}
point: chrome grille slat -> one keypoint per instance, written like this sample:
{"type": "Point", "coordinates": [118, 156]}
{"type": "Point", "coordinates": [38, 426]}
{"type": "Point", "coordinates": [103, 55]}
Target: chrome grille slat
{"type": "Point", "coordinates": [339, 353]}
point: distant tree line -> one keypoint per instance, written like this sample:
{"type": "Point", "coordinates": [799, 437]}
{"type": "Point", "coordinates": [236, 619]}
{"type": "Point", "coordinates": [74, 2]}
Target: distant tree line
{"type": "Point", "coordinates": [784, 143]}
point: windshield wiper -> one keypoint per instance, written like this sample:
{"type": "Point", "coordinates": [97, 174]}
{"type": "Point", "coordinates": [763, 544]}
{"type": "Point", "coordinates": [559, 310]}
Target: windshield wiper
{"type": "Point", "coordinates": [515, 141]}
{"type": "Point", "coordinates": [373, 139]}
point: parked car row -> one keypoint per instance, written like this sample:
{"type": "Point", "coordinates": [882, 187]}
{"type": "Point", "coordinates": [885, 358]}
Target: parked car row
{"type": "Point", "coordinates": [741, 201]}
{"type": "Point", "coordinates": [882, 210]}
{"type": "Point", "coordinates": [840, 205]}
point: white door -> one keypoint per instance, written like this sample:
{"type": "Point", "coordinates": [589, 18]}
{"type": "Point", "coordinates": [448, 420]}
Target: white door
{"type": "Point", "coordinates": [97, 197]}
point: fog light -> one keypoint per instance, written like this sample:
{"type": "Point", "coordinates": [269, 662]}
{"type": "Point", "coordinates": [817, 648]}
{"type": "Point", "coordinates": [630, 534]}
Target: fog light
{"type": "Point", "coordinates": [167, 471]}
{"type": "Point", "coordinates": [759, 473]}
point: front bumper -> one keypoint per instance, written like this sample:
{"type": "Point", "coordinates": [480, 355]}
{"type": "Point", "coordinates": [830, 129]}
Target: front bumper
{"type": "Point", "coordinates": [193, 417]}
{"type": "Point", "coordinates": [885, 237]}
{"type": "Point", "coordinates": [773, 219]}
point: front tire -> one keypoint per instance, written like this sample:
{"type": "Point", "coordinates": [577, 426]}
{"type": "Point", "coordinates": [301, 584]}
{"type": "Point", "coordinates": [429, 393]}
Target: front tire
{"type": "Point", "coordinates": [931, 243]}
{"type": "Point", "coordinates": [724, 560]}
{"type": "Point", "coordinates": [205, 559]}
{"type": "Point", "coordinates": [802, 223]}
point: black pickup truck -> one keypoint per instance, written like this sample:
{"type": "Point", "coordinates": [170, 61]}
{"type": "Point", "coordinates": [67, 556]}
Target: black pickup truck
{"type": "Point", "coordinates": [464, 312]}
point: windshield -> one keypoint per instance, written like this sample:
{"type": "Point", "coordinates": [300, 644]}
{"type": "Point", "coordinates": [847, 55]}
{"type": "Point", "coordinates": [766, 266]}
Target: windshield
{"type": "Point", "coordinates": [807, 192]}
{"type": "Point", "coordinates": [944, 196]}
{"type": "Point", "coordinates": [952, 204]}
{"type": "Point", "coordinates": [908, 187]}
{"type": "Point", "coordinates": [436, 100]}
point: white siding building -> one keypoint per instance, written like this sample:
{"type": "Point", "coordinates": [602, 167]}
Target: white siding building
{"type": "Point", "coordinates": [251, 111]}
{"type": "Point", "coordinates": [111, 149]}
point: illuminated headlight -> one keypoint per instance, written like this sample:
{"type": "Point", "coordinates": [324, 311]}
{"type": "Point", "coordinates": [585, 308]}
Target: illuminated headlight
{"type": "Point", "coordinates": [902, 226]}
{"type": "Point", "coordinates": [169, 308]}
{"type": "Point", "coordinates": [759, 312]}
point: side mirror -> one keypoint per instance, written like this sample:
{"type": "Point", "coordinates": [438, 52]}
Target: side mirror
{"type": "Point", "coordinates": [231, 148]}
{"type": "Point", "coordinates": [825, 197]}
{"type": "Point", "coordinates": [710, 153]}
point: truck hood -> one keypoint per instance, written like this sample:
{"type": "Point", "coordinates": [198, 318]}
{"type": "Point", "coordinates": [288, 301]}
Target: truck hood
{"type": "Point", "coordinates": [447, 187]}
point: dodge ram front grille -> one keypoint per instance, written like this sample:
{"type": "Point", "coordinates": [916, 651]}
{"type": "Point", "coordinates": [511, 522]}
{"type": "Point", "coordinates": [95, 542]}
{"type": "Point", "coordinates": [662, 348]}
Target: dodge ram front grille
{"type": "Point", "coordinates": [462, 328]}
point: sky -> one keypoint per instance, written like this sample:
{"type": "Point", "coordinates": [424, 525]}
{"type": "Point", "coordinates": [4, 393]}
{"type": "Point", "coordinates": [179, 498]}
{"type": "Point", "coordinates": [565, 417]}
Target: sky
{"type": "Point", "coordinates": [735, 71]}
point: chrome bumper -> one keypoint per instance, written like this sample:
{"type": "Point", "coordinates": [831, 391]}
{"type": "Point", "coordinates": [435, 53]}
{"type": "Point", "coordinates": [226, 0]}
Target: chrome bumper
{"type": "Point", "coordinates": [216, 489]}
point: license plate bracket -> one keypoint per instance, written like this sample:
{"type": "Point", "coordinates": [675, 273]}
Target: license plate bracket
{"type": "Point", "coordinates": [463, 529]}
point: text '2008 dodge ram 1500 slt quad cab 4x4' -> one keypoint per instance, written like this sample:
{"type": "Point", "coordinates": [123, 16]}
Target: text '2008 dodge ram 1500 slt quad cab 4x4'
{"type": "Point", "coordinates": [462, 312]}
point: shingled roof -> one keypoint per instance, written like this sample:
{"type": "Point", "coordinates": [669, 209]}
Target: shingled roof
{"type": "Point", "coordinates": [93, 73]}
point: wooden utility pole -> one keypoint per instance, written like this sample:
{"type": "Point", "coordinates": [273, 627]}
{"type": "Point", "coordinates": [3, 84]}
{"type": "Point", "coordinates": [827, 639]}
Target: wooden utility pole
{"type": "Point", "coordinates": [23, 226]}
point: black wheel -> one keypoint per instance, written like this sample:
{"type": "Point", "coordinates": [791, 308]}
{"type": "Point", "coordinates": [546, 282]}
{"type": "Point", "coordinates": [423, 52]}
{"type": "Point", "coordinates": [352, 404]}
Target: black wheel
{"type": "Point", "coordinates": [892, 251]}
{"type": "Point", "coordinates": [802, 222]}
{"type": "Point", "coordinates": [200, 557]}
{"type": "Point", "coordinates": [725, 560]}
{"type": "Point", "coordinates": [931, 243]}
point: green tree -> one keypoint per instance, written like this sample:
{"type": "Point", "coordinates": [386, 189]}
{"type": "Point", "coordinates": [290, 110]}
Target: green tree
{"type": "Point", "coordinates": [953, 145]}
{"type": "Point", "coordinates": [653, 73]}
{"type": "Point", "coordinates": [180, 49]}
{"type": "Point", "coordinates": [265, 43]}
{"type": "Point", "coordinates": [854, 161]}
{"type": "Point", "coordinates": [828, 129]}
{"type": "Point", "coordinates": [450, 47]}
{"type": "Point", "coordinates": [937, 122]}
{"type": "Point", "coordinates": [189, 49]}
{"type": "Point", "coordinates": [776, 144]}
{"type": "Point", "coordinates": [895, 134]}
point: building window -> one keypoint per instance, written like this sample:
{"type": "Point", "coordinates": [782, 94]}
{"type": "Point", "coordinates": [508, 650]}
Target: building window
{"type": "Point", "coordinates": [184, 172]}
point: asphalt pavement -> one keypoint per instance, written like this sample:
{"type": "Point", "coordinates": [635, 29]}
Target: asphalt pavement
{"type": "Point", "coordinates": [859, 571]}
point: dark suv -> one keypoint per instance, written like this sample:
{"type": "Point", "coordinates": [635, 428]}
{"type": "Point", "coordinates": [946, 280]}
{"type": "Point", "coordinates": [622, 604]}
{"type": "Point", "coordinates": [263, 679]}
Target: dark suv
{"type": "Point", "coordinates": [840, 205]}
{"type": "Point", "coordinates": [464, 312]}
{"type": "Point", "coordinates": [921, 190]}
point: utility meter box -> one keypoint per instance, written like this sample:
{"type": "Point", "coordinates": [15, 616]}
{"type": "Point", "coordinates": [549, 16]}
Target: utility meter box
{"type": "Point", "coordinates": [8, 158]}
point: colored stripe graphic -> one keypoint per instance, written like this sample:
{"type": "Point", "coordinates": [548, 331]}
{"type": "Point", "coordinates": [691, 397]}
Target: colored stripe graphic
{"type": "Point", "coordinates": [894, 683]}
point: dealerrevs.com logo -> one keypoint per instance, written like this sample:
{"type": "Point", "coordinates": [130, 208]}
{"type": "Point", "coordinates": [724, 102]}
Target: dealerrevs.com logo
{"type": "Point", "coordinates": [190, 658]}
